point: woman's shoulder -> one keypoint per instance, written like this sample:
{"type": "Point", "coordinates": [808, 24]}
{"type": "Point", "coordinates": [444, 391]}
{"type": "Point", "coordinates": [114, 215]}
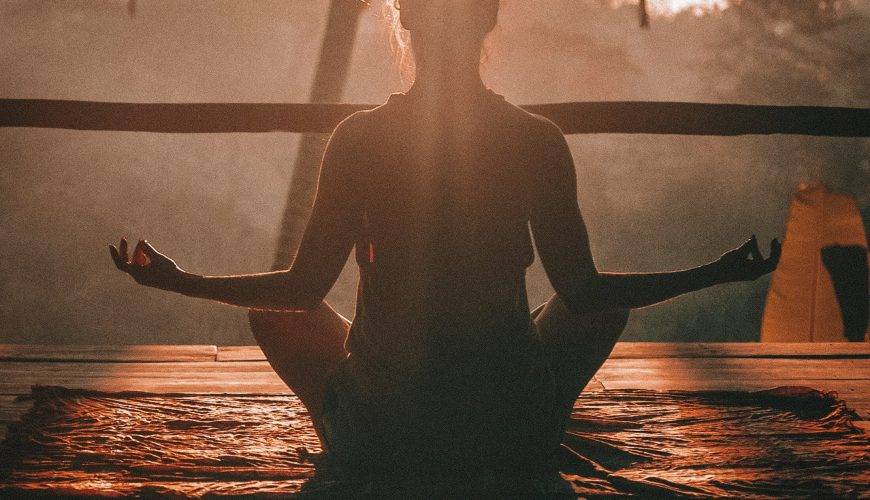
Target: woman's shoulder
{"type": "Point", "coordinates": [361, 123]}
{"type": "Point", "coordinates": [537, 126]}
{"type": "Point", "coordinates": [365, 123]}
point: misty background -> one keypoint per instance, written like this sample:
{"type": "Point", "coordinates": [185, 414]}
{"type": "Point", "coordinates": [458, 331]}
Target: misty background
{"type": "Point", "coordinates": [214, 202]}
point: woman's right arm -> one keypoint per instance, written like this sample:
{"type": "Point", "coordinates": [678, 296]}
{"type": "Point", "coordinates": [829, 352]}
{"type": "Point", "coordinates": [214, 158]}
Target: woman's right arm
{"type": "Point", "coordinates": [563, 245]}
{"type": "Point", "coordinates": [323, 252]}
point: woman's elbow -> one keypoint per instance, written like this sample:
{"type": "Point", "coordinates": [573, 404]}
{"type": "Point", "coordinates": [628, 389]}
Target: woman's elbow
{"type": "Point", "coordinates": [586, 295]}
{"type": "Point", "coordinates": [304, 298]}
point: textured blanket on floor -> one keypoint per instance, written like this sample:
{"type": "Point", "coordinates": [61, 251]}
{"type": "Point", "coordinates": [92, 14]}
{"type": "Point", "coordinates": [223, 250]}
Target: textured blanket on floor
{"type": "Point", "coordinates": [782, 442]}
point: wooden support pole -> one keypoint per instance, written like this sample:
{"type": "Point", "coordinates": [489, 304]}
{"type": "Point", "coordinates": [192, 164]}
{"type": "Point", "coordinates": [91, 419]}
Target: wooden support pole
{"type": "Point", "coordinates": [644, 14]}
{"type": "Point", "coordinates": [329, 81]}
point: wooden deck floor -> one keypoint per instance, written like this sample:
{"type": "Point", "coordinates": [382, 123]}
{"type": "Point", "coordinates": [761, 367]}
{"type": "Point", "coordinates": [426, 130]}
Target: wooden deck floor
{"type": "Point", "coordinates": [844, 368]}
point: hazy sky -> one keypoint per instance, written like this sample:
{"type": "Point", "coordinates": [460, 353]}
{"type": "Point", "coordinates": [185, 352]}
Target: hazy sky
{"type": "Point", "coordinates": [213, 202]}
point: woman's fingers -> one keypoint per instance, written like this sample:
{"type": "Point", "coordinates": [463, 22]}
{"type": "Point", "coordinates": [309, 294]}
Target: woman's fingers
{"type": "Point", "coordinates": [119, 255]}
{"type": "Point", "coordinates": [754, 250]}
{"type": "Point", "coordinates": [122, 250]}
{"type": "Point", "coordinates": [740, 253]}
{"type": "Point", "coordinates": [747, 263]}
{"type": "Point", "coordinates": [150, 250]}
{"type": "Point", "coordinates": [116, 257]}
{"type": "Point", "coordinates": [123, 261]}
{"type": "Point", "coordinates": [140, 257]}
{"type": "Point", "coordinates": [139, 267]}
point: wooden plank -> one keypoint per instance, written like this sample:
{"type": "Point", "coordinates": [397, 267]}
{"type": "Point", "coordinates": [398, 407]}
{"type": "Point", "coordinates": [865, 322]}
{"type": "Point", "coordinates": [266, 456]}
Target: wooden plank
{"type": "Point", "coordinates": [623, 350]}
{"type": "Point", "coordinates": [240, 353]}
{"type": "Point", "coordinates": [594, 385]}
{"type": "Point", "coordinates": [647, 350]}
{"type": "Point", "coordinates": [862, 408]}
{"type": "Point", "coordinates": [195, 377]}
{"type": "Point", "coordinates": [615, 117]}
{"type": "Point", "coordinates": [198, 377]}
{"type": "Point", "coordinates": [735, 368]}
{"type": "Point", "coordinates": [159, 377]}
{"type": "Point", "coordinates": [118, 353]}
{"type": "Point", "coordinates": [128, 369]}
{"type": "Point", "coordinates": [181, 385]}
{"type": "Point", "coordinates": [855, 389]}
{"type": "Point", "coordinates": [230, 369]}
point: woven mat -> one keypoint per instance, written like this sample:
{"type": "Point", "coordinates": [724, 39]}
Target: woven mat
{"type": "Point", "coordinates": [783, 442]}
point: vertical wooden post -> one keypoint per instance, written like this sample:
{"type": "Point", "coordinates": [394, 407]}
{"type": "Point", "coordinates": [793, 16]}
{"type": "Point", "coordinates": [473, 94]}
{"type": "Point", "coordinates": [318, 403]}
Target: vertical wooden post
{"type": "Point", "coordinates": [644, 14]}
{"type": "Point", "coordinates": [328, 86]}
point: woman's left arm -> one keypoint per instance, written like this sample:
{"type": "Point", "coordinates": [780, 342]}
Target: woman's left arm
{"type": "Point", "coordinates": [325, 247]}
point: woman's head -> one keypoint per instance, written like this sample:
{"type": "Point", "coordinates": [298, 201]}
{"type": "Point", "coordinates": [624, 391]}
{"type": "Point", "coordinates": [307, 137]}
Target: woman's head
{"type": "Point", "coordinates": [451, 31]}
{"type": "Point", "coordinates": [468, 20]}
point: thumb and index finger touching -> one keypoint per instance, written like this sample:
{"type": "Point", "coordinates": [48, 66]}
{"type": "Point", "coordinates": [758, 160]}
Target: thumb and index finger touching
{"type": "Point", "coordinates": [768, 264]}
{"type": "Point", "coordinates": [141, 255]}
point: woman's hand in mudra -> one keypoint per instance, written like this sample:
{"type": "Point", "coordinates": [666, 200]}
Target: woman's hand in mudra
{"type": "Point", "coordinates": [147, 266]}
{"type": "Point", "coordinates": [746, 262]}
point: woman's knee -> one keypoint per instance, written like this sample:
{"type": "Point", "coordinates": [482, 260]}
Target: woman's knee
{"type": "Point", "coordinates": [603, 329]}
{"type": "Point", "coordinates": [617, 320]}
{"type": "Point", "coordinates": [289, 334]}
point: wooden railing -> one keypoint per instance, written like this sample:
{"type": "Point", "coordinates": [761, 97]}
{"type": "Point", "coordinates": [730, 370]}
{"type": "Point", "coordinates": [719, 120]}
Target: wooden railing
{"type": "Point", "coordinates": [574, 118]}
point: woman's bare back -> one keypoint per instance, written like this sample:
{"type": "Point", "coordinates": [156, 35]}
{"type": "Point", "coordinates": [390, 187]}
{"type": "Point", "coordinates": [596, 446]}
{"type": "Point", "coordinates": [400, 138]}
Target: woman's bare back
{"type": "Point", "coordinates": [442, 224]}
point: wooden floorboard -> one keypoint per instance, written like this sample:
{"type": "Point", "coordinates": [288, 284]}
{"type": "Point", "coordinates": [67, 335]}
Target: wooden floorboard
{"type": "Point", "coordinates": [735, 369]}
{"type": "Point", "coordinates": [647, 350]}
{"type": "Point", "coordinates": [193, 378]}
{"type": "Point", "coordinates": [130, 353]}
{"type": "Point", "coordinates": [651, 350]}
{"type": "Point", "coordinates": [240, 353]}
{"type": "Point", "coordinates": [843, 368]}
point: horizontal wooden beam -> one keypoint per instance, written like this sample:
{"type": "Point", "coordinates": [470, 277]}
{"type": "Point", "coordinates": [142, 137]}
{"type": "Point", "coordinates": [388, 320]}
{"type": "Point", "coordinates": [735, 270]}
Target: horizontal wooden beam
{"type": "Point", "coordinates": [673, 118]}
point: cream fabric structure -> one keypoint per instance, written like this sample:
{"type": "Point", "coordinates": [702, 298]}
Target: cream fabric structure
{"type": "Point", "coordinates": [802, 304]}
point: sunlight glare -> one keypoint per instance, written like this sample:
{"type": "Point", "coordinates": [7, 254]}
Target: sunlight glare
{"type": "Point", "coordinates": [673, 7]}
{"type": "Point", "coordinates": [697, 7]}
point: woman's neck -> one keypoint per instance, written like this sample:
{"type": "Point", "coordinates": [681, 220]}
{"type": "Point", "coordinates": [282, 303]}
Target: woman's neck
{"type": "Point", "coordinates": [448, 82]}
{"type": "Point", "coordinates": [441, 75]}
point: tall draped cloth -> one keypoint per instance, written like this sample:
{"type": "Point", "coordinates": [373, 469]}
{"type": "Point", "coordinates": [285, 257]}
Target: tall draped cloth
{"type": "Point", "coordinates": [819, 291]}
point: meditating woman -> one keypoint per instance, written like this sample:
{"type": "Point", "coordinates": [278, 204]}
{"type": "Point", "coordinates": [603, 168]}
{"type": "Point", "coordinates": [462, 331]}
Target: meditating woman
{"type": "Point", "coordinates": [443, 367]}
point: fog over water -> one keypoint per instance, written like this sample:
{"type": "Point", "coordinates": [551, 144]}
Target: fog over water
{"type": "Point", "coordinates": [214, 202]}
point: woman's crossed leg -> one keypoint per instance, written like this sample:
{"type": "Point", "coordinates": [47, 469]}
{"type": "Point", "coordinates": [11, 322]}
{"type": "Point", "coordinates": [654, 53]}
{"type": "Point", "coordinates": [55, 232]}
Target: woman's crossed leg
{"type": "Point", "coordinates": [304, 349]}
{"type": "Point", "coordinates": [577, 345]}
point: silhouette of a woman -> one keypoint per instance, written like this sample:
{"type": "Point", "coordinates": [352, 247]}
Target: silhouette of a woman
{"type": "Point", "coordinates": [443, 366]}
